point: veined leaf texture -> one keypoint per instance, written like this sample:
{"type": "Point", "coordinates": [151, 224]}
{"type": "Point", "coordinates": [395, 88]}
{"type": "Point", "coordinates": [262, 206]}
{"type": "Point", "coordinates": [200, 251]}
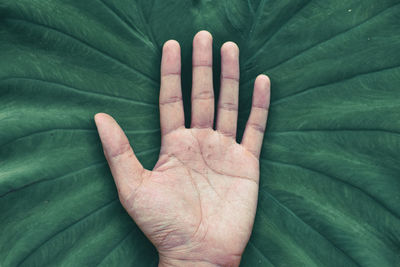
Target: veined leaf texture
{"type": "Point", "coordinates": [330, 165]}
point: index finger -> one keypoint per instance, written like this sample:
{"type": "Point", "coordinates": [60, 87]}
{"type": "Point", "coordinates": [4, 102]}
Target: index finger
{"type": "Point", "coordinates": [171, 106]}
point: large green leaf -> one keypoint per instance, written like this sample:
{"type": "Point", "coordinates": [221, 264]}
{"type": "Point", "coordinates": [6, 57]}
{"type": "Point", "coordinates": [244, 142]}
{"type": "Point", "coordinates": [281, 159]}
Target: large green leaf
{"type": "Point", "coordinates": [330, 166]}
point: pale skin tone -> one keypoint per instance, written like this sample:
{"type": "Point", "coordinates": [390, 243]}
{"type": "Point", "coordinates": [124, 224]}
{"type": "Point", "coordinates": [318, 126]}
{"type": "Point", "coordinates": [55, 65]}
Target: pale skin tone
{"type": "Point", "coordinates": [197, 206]}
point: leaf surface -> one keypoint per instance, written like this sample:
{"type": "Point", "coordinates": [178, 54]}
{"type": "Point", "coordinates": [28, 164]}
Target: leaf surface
{"type": "Point", "coordinates": [330, 165]}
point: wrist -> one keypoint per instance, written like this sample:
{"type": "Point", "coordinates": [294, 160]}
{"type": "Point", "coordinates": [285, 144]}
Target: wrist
{"type": "Point", "coordinates": [223, 262]}
{"type": "Point", "coordinates": [181, 263]}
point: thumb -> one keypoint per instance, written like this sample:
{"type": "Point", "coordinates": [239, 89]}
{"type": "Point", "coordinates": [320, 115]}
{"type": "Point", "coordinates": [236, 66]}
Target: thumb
{"type": "Point", "coordinates": [125, 167]}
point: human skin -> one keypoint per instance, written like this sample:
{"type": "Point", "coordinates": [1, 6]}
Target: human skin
{"type": "Point", "coordinates": [197, 206]}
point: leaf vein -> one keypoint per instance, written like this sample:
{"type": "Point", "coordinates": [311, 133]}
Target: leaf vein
{"type": "Point", "coordinates": [332, 37]}
{"type": "Point", "coordinates": [96, 164]}
{"type": "Point", "coordinates": [115, 246]}
{"type": "Point", "coordinates": [285, 207]}
{"type": "Point", "coordinates": [65, 228]}
{"type": "Point", "coordinates": [319, 43]}
{"type": "Point", "coordinates": [103, 53]}
{"type": "Point", "coordinates": [320, 86]}
{"type": "Point", "coordinates": [82, 91]}
{"type": "Point", "coordinates": [260, 252]}
{"type": "Point", "coordinates": [255, 55]}
{"type": "Point", "coordinates": [334, 178]}
{"type": "Point", "coordinates": [328, 131]}
{"type": "Point", "coordinates": [72, 129]}
{"type": "Point", "coordinates": [129, 26]}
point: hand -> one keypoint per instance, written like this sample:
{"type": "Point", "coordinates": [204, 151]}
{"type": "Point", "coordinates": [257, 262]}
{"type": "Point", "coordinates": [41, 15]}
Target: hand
{"type": "Point", "coordinates": [198, 204]}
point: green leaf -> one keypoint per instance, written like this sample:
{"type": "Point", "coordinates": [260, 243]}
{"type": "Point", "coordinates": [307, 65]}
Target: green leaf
{"type": "Point", "coordinates": [330, 166]}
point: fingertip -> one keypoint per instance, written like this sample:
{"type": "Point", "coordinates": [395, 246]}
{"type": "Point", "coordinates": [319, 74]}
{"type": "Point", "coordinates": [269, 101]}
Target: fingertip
{"type": "Point", "coordinates": [101, 118]}
{"type": "Point", "coordinates": [202, 35]}
{"type": "Point", "coordinates": [261, 95]}
{"type": "Point", "coordinates": [202, 47]}
{"type": "Point", "coordinates": [263, 82]}
{"type": "Point", "coordinates": [171, 45]}
{"type": "Point", "coordinates": [98, 117]}
{"type": "Point", "coordinates": [107, 126]}
{"type": "Point", "coordinates": [171, 58]}
{"type": "Point", "coordinates": [111, 135]}
{"type": "Point", "coordinates": [230, 49]}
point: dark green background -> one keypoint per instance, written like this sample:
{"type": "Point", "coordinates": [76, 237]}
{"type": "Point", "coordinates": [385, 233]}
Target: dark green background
{"type": "Point", "coordinates": [330, 165]}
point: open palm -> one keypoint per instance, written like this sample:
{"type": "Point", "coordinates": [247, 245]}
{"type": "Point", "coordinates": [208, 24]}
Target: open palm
{"type": "Point", "coordinates": [198, 204]}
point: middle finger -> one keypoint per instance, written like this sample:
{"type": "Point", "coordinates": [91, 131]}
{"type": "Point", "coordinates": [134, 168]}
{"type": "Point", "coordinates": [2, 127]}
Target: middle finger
{"type": "Point", "coordinates": [202, 86]}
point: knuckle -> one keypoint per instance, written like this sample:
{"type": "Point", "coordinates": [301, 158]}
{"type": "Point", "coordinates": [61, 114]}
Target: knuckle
{"type": "Point", "coordinates": [123, 149]}
{"type": "Point", "coordinates": [227, 133]}
{"type": "Point", "coordinates": [260, 107]}
{"type": "Point", "coordinates": [171, 100]}
{"type": "Point", "coordinates": [257, 126]}
{"type": "Point", "coordinates": [229, 106]}
{"type": "Point", "coordinates": [206, 94]}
